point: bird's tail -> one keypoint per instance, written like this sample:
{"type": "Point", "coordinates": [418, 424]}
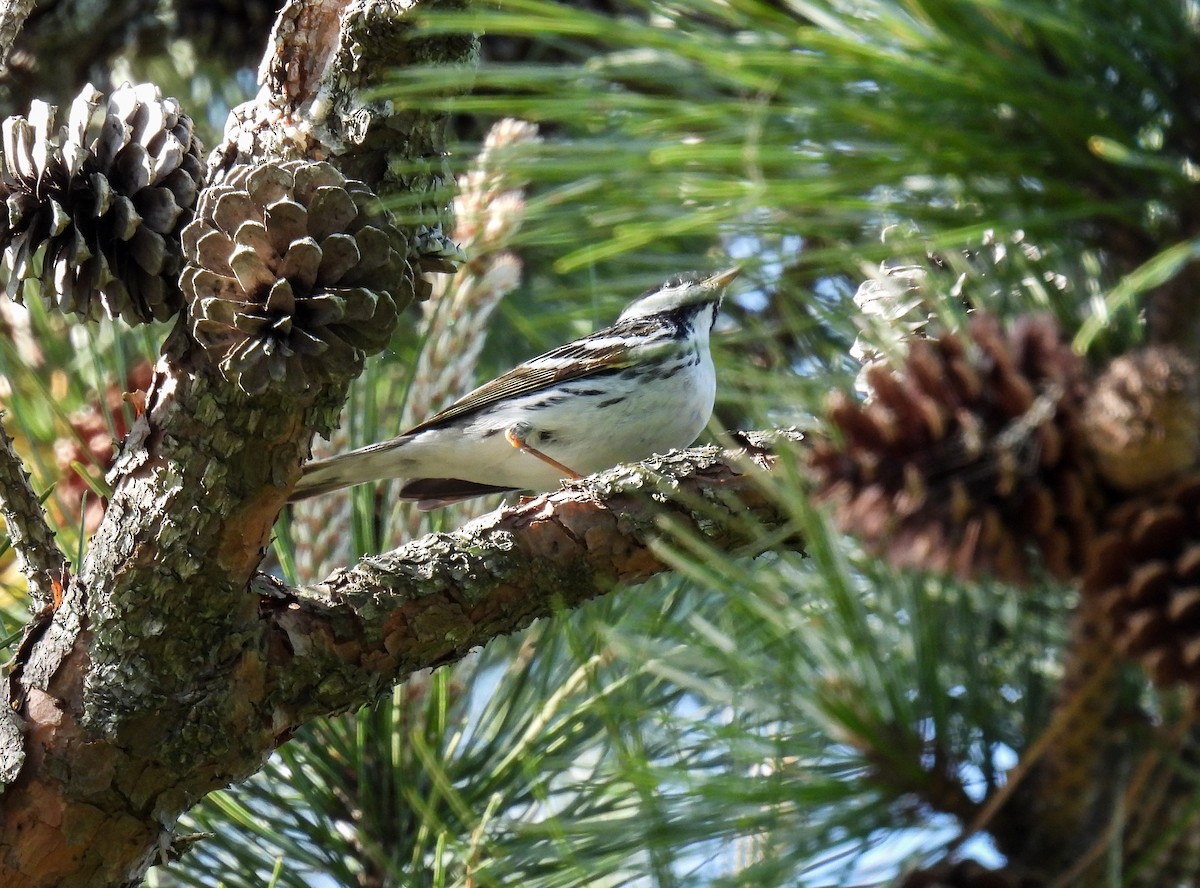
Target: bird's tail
{"type": "Point", "coordinates": [323, 476]}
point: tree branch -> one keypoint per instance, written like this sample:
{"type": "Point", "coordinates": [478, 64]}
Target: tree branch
{"type": "Point", "coordinates": [148, 687]}
{"type": "Point", "coordinates": [12, 16]}
{"type": "Point", "coordinates": [39, 559]}
{"type": "Point", "coordinates": [323, 56]}
{"type": "Point", "coordinates": [429, 602]}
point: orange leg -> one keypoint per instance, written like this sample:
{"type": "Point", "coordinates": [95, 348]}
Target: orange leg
{"type": "Point", "coordinates": [515, 435]}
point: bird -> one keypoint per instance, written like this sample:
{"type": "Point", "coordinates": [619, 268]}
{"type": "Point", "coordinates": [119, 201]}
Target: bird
{"type": "Point", "coordinates": [644, 385]}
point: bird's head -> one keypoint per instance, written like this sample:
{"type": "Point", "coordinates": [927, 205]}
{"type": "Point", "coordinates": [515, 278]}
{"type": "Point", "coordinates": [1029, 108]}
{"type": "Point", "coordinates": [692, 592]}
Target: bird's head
{"type": "Point", "coordinates": [681, 291]}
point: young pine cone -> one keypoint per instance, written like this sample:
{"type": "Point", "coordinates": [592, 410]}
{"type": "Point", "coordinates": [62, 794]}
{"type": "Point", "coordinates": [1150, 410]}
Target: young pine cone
{"type": "Point", "coordinates": [967, 455]}
{"type": "Point", "coordinates": [295, 274]}
{"type": "Point", "coordinates": [106, 199]}
{"type": "Point", "coordinates": [1142, 418]}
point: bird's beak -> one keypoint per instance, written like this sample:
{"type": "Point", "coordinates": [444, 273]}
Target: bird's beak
{"type": "Point", "coordinates": [721, 278]}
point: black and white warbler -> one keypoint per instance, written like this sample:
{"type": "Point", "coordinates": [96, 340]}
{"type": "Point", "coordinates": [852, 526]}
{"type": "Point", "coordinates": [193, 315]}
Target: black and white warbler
{"type": "Point", "coordinates": [641, 386]}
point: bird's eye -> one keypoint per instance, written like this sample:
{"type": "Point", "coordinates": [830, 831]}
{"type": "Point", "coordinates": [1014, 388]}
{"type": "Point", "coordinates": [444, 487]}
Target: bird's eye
{"type": "Point", "coordinates": [679, 281]}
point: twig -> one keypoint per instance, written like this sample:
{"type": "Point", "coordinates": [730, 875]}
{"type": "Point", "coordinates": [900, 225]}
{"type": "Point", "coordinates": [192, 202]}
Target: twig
{"type": "Point", "coordinates": [40, 560]}
{"type": "Point", "coordinates": [12, 16]}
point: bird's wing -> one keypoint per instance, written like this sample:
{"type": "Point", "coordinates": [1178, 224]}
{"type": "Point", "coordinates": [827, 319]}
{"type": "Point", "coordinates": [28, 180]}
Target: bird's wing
{"type": "Point", "coordinates": [598, 353]}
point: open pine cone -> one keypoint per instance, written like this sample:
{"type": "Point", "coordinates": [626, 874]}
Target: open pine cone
{"type": "Point", "coordinates": [968, 454]}
{"type": "Point", "coordinates": [93, 210]}
{"type": "Point", "coordinates": [1145, 572]}
{"type": "Point", "coordinates": [294, 275]}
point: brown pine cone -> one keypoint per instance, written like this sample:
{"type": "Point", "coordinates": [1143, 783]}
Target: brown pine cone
{"type": "Point", "coordinates": [1142, 418]}
{"type": "Point", "coordinates": [968, 454]}
{"type": "Point", "coordinates": [295, 274]}
{"type": "Point", "coordinates": [89, 449]}
{"type": "Point", "coordinates": [1144, 569]}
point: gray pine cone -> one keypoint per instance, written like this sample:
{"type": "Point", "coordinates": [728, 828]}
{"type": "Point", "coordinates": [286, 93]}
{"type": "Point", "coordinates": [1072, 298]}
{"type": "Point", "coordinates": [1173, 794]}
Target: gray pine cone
{"type": "Point", "coordinates": [294, 275]}
{"type": "Point", "coordinates": [93, 211]}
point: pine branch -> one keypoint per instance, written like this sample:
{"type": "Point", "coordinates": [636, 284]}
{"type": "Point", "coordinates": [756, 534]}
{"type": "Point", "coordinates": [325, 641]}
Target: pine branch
{"type": "Point", "coordinates": [432, 600]}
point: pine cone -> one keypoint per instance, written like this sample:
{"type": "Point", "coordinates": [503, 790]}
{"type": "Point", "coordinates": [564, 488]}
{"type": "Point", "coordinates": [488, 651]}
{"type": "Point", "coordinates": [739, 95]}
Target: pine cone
{"type": "Point", "coordinates": [1142, 418]}
{"type": "Point", "coordinates": [88, 451]}
{"type": "Point", "coordinates": [1144, 570]}
{"type": "Point", "coordinates": [967, 454]}
{"type": "Point", "coordinates": [108, 211]}
{"type": "Point", "coordinates": [294, 275]}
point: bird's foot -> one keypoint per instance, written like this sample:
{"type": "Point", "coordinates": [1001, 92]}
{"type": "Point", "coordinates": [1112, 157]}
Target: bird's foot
{"type": "Point", "coordinates": [516, 435]}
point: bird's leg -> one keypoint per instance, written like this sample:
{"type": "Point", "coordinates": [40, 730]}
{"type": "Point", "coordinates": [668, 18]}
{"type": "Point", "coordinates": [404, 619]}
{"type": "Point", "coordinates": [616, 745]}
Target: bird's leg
{"type": "Point", "coordinates": [516, 434]}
